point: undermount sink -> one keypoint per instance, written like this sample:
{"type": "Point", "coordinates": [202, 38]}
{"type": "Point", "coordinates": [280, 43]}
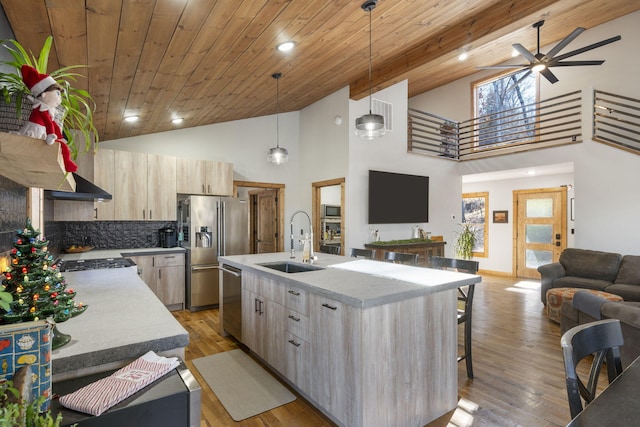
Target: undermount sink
{"type": "Point", "coordinates": [290, 267]}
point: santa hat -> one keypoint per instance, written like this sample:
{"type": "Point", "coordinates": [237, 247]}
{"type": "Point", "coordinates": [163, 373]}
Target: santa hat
{"type": "Point", "coordinates": [36, 82]}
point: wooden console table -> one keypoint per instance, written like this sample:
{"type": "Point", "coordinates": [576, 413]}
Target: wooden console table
{"type": "Point", "coordinates": [425, 250]}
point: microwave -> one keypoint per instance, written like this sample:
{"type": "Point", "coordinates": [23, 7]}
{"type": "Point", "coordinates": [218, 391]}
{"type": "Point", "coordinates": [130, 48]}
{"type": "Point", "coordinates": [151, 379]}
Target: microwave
{"type": "Point", "coordinates": [330, 211]}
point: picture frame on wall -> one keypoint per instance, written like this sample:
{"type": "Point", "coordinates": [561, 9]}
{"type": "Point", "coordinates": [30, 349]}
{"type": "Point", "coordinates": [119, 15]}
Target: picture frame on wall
{"type": "Point", "coordinates": [500, 217]}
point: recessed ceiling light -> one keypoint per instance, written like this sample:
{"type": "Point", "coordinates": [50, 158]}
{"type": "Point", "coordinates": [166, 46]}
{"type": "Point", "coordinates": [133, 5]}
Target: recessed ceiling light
{"type": "Point", "coordinates": [514, 53]}
{"type": "Point", "coordinates": [177, 120]}
{"type": "Point", "coordinates": [286, 46]}
{"type": "Point", "coordinates": [131, 119]}
{"type": "Point", "coordinates": [463, 56]}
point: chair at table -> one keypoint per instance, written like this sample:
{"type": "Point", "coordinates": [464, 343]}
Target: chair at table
{"type": "Point", "coordinates": [603, 339]}
{"type": "Point", "coordinates": [401, 258]}
{"type": "Point", "coordinates": [362, 253]}
{"type": "Point", "coordinates": [465, 298]}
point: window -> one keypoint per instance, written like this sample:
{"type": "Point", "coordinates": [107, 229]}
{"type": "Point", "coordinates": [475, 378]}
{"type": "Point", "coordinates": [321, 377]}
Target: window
{"type": "Point", "coordinates": [474, 209]}
{"type": "Point", "coordinates": [505, 108]}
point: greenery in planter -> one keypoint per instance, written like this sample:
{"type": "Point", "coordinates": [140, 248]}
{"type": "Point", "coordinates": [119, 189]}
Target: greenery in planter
{"type": "Point", "coordinates": [400, 242]}
{"type": "Point", "coordinates": [79, 105]}
{"type": "Point", "coordinates": [22, 413]}
{"type": "Point", "coordinates": [465, 241]}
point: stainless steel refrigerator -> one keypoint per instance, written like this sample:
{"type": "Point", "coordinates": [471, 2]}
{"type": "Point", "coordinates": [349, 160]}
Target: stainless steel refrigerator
{"type": "Point", "coordinates": [211, 227]}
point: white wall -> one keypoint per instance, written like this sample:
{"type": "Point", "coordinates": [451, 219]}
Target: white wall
{"type": "Point", "coordinates": [389, 153]}
{"type": "Point", "coordinates": [501, 199]}
{"type": "Point", "coordinates": [323, 147]}
{"type": "Point", "coordinates": [605, 178]}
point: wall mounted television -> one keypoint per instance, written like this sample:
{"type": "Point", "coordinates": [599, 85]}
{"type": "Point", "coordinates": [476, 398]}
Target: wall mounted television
{"type": "Point", "coordinates": [396, 198]}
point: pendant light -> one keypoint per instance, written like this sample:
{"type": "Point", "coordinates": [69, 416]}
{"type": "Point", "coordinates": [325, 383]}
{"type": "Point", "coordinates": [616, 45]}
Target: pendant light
{"type": "Point", "coordinates": [370, 126]}
{"type": "Point", "coordinates": [277, 154]}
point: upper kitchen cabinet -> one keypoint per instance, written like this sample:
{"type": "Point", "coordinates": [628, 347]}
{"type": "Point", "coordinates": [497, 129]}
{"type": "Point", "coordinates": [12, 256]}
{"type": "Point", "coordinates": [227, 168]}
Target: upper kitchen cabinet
{"type": "Point", "coordinates": [104, 177]}
{"type": "Point", "coordinates": [145, 187]}
{"type": "Point", "coordinates": [204, 177]}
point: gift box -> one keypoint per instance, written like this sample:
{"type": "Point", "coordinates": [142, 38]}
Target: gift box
{"type": "Point", "coordinates": [28, 343]}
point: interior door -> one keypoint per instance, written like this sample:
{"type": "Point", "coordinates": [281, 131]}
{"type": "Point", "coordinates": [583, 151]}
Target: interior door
{"type": "Point", "coordinates": [266, 221]}
{"type": "Point", "coordinates": [541, 225]}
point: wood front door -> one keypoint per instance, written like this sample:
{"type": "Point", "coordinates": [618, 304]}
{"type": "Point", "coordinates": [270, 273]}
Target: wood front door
{"type": "Point", "coordinates": [541, 228]}
{"type": "Point", "coordinates": [266, 210]}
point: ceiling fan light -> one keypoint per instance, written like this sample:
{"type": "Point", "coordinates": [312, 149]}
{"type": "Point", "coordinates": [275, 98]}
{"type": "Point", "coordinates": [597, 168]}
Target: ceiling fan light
{"type": "Point", "coordinates": [538, 67]}
{"type": "Point", "coordinates": [370, 126]}
{"type": "Point", "coordinates": [278, 155]}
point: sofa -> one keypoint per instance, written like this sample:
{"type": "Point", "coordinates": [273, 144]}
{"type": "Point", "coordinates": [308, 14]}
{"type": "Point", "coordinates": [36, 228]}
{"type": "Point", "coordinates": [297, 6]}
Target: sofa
{"type": "Point", "coordinates": [587, 307]}
{"type": "Point", "coordinates": [602, 271]}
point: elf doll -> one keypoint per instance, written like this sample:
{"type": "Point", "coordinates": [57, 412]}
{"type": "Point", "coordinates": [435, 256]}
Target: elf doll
{"type": "Point", "coordinates": [47, 96]}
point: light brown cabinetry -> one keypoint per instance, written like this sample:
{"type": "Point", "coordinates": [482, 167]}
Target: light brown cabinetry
{"type": "Point", "coordinates": [165, 276]}
{"type": "Point", "coordinates": [389, 364]}
{"type": "Point", "coordinates": [335, 357]}
{"type": "Point", "coordinates": [263, 318]}
{"type": "Point", "coordinates": [104, 177]}
{"type": "Point", "coordinates": [145, 187]}
{"type": "Point", "coordinates": [204, 177]}
{"type": "Point", "coordinates": [297, 345]}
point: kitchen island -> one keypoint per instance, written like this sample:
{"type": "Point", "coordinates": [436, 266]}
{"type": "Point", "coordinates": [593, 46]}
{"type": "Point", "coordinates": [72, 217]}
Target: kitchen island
{"type": "Point", "coordinates": [369, 343]}
{"type": "Point", "coordinates": [124, 320]}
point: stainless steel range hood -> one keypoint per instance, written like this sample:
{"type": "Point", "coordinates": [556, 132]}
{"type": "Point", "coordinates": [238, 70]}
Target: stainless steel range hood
{"type": "Point", "coordinates": [85, 191]}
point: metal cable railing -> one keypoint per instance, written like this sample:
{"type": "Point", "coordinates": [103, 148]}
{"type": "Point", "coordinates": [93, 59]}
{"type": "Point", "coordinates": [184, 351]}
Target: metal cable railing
{"type": "Point", "coordinates": [547, 123]}
{"type": "Point", "coordinates": [616, 120]}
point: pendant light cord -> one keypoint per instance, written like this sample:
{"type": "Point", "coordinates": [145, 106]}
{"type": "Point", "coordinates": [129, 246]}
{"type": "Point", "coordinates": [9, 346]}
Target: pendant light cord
{"type": "Point", "coordinates": [277, 77]}
{"type": "Point", "coordinates": [370, 54]}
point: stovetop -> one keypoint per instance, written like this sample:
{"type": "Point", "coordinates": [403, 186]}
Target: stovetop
{"type": "Point", "coordinates": [94, 264]}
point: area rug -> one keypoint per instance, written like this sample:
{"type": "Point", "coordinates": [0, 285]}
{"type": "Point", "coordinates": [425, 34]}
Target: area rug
{"type": "Point", "coordinates": [243, 387]}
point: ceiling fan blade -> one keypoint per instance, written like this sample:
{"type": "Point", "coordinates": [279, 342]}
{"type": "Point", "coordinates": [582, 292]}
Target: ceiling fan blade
{"type": "Point", "coordinates": [549, 75]}
{"type": "Point", "coordinates": [564, 42]}
{"type": "Point", "coordinates": [587, 48]}
{"type": "Point", "coordinates": [575, 63]}
{"type": "Point", "coordinates": [524, 52]}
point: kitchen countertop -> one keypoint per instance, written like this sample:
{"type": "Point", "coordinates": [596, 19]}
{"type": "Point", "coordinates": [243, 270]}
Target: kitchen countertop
{"type": "Point", "coordinates": [117, 253]}
{"type": "Point", "coordinates": [124, 320]}
{"type": "Point", "coordinates": [360, 283]}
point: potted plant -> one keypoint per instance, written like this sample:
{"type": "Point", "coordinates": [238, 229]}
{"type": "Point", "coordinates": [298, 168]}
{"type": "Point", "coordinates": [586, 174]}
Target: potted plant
{"type": "Point", "coordinates": [77, 103]}
{"type": "Point", "coordinates": [14, 411]}
{"type": "Point", "coordinates": [465, 241]}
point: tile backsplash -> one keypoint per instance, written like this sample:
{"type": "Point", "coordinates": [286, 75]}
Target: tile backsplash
{"type": "Point", "coordinates": [13, 211]}
{"type": "Point", "coordinates": [111, 234]}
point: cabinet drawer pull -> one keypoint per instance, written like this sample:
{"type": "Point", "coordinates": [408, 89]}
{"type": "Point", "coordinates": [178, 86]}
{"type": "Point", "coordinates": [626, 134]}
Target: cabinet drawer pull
{"type": "Point", "coordinates": [331, 307]}
{"type": "Point", "coordinates": [255, 305]}
{"type": "Point", "coordinates": [297, 344]}
{"type": "Point", "coordinates": [292, 292]}
{"type": "Point", "coordinates": [294, 318]}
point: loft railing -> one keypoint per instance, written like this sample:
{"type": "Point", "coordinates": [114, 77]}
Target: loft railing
{"type": "Point", "coordinates": [616, 121]}
{"type": "Point", "coordinates": [547, 123]}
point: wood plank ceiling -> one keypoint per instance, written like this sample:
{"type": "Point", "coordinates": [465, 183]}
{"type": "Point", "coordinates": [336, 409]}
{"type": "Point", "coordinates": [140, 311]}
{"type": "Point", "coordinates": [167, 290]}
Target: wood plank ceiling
{"type": "Point", "coordinates": [211, 61]}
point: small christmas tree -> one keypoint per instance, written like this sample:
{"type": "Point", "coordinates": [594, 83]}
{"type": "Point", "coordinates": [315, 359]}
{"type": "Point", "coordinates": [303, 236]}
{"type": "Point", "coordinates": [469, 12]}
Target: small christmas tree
{"type": "Point", "coordinates": [39, 290]}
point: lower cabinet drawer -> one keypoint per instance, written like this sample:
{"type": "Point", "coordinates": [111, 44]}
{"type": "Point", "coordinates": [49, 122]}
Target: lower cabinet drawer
{"type": "Point", "coordinates": [297, 370]}
{"type": "Point", "coordinates": [168, 260]}
{"type": "Point", "coordinates": [298, 324]}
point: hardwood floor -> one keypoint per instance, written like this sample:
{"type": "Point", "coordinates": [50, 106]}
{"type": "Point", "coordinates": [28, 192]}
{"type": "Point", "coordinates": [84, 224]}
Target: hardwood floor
{"type": "Point", "coordinates": [517, 363]}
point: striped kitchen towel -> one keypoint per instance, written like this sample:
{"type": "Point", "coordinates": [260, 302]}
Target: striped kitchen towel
{"type": "Point", "coordinates": [101, 395]}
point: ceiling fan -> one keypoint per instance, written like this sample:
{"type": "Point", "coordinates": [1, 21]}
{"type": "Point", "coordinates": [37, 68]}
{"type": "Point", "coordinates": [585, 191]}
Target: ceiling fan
{"type": "Point", "coordinates": [541, 62]}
